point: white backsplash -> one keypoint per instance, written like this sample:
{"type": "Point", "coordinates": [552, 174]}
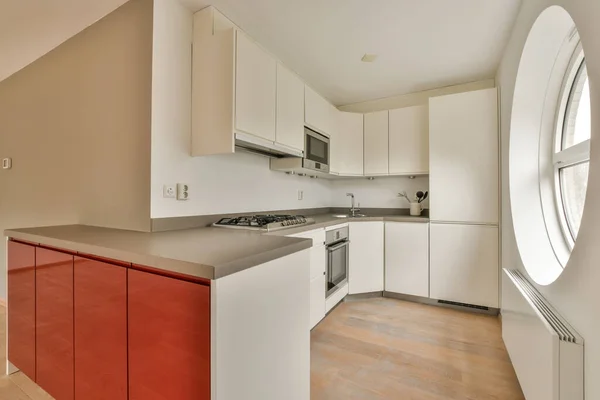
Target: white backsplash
{"type": "Point", "coordinates": [378, 193]}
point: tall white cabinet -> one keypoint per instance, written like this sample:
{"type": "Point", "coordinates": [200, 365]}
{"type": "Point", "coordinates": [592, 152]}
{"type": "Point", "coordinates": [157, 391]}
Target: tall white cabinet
{"type": "Point", "coordinates": [463, 151]}
{"type": "Point", "coordinates": [463, 143]}
{"type": "Point", "coordinates": [464, 263]}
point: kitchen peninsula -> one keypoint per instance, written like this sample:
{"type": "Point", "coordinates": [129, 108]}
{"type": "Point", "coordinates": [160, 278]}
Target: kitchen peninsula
{"type": "Point", "coordinates": [195, 314]}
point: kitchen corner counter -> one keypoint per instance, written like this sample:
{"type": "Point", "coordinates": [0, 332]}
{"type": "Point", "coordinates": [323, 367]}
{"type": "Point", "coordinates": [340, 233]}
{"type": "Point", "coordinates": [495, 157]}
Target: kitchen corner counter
{"type": "Point", "coordinates": [327, 220]}
{"type": "Point", "coordinates": [209, 253]}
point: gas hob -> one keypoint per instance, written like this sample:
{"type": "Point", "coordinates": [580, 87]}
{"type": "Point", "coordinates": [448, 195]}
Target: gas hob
{"type": "Point", "coordinates": [265, 223]}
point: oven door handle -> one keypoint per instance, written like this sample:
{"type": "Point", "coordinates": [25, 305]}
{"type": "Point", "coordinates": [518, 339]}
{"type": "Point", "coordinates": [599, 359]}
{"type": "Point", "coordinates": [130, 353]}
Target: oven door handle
{"type": "Point", "coordinates": [339, 246]}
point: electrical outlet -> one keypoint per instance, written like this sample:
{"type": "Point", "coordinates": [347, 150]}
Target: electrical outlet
{"type": "Point", "coordinates": [183, 191]}
{"type": "Point", "coordinates": [7, 163]}
{"type": "Point", "coordinates": [169, 191]}
{"type": "Point", "coordinates": [300, 194]}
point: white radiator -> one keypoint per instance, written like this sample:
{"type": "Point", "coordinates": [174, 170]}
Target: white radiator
{"type": "Point", "coordinates": [546, 352]}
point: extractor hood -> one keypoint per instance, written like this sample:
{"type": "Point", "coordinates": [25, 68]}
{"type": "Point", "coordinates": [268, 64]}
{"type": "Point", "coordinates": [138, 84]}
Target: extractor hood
{"type": "Point", "coordinates": [263, 147]}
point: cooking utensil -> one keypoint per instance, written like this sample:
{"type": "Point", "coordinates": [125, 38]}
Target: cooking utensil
{"type": "Point", "coordinates": [419, 195]}
{"type": "Point", "coordinates": [403, 194]}
{"type": "Point", "coordinates": [424, 197]}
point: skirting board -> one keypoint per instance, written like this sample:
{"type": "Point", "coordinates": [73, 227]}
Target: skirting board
{"type": "Point", "coordinates": [435, 302]}
{"type": "Point", "coordinates": [418, 299]}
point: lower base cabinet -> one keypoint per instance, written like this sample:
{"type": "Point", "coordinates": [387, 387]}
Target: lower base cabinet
{"type": "Point", "coordinates": [317, 300]}
{"type": "Point", "coordinates": [464, 263]}
{"type": "Point", "coordinates": [21, 307]}
{"type": "Point", "coordinates": [100, 330]}
{"type": "Point", "coordinates": [365, 269]}
{"type": "Point", "coordinates": [407, 258]}
{"type": "Point", "coordinates": [54, 323]}
{"type": "Point", "coordinates": [169, 338]}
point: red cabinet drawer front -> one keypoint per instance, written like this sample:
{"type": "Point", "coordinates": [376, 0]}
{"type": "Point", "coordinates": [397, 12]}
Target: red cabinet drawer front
{"type": "Point", "coordinates": [169, 338]}
{"type": "Point", "coordinates": [54, 323]}
{"type": "Point", "coordinates": [21, 307]}
{"type": "Point", "coordinates": [100, 330]}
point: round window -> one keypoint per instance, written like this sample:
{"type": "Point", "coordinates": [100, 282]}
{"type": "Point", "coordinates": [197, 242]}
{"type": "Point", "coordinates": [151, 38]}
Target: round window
{"type": "Point", "coordinates": [571, 156]}
{"type": "Point", "coordinates": [549, 148]}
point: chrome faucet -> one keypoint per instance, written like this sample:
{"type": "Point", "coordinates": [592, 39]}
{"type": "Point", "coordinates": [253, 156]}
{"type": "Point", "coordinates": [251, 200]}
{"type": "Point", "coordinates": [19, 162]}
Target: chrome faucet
{"type": "Point", "coordinates": [354, 209]}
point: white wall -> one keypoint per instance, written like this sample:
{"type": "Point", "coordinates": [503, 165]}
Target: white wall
{"type": "Point", "coordinates": [378, 193]}
{"type": "Point", "coordinates": [415, 99]}
{"type": "Point", "coordinates": [218, 184]}
{"type": "Point", "coordinates": [575, 294]}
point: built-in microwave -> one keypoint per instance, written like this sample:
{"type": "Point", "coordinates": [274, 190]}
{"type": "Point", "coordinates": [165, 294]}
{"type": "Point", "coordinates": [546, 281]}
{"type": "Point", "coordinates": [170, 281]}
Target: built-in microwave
{"type": "Point", "coordinates": [316, 151]}
{"type": "Point", "coordinates": [314, 161]}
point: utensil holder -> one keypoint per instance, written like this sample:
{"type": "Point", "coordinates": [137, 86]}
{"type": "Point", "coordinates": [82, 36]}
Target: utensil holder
{"type": "Point", "coordinates": [415, 209]}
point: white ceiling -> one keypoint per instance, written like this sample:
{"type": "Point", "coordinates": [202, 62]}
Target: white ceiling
{"type": "Point", "coordinates": [31, 28]}
{"type": "Point", "coordinates": [421, 44]}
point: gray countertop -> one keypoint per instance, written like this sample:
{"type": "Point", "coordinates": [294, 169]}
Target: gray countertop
{"type": "Point", "coordinates": [208, 252]}
{"type": "Point", "coordinates": [326, 220]}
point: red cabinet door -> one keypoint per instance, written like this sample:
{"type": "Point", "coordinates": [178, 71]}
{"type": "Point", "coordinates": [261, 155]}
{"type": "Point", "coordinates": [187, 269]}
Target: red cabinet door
{"type": "Point", "coordinates": [100, 330]}
{"type": "Point", "coordinates": [54, 323]}
{"type": "Point", "coordinates": [21, 307]}
{"type": "Point", "coordinates": [169, 338]}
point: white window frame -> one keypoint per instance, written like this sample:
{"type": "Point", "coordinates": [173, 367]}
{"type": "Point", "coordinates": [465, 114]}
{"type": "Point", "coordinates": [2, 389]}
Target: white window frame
{"type": "Point", "coordinates": [573, 155]}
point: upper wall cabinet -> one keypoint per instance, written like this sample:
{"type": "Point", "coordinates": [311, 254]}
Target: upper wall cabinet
{"type": "Point", "coordinates": [463, 142]}
{"type": "Point", "coordinates": [317, 112]}
{"type": "Point", "coordinates": [348, 144]}
{"type": "Point", "coordinates": [255, 89]}
{"type": "Point", "coordinates": [409, 141]}
{"type": "Point", "coordinates": [290, 109]}
{"type": "Point", "coordinates": [336, 156]}
{"type": "Point", "coordinates": [234, 91]}
{"type": "Point", "coordinates": [376, 143]}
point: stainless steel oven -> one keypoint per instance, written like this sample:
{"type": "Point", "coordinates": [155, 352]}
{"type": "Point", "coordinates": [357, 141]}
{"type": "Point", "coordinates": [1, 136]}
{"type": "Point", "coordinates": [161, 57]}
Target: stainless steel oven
{"type": "Point", "coordinates": [316, 151]}
{"type": "Point", "coordinates": [337, 242]}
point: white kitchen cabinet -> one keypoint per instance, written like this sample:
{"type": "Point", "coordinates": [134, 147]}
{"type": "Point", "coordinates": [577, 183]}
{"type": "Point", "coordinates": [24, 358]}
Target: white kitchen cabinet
{"type": "Point", "coordinates": [290, 109]}
{"type": "Point", "coordinates": [463, 157]}
{"type": "Point", "coordinates": [255, 89]}
{"type": "Point", "coordinates": [407, 258]}
{"type": "Point", "coordinates": [376, 143]}
{"type": "Point", "coordinates": [409, 141]}
{"type": "Point", "coordinates": [349, 144]}
{"type": "Point", "coordinates": [318, 264]}
{"type": "Point", "coordinates": [317, 300]}
{"type": "Point", "coordinates": [233, 87]}
{"type": "Point", "coordinates": [464, 263]}
{"type": "Point", "coordinates": [317, 112]}
{"type": "Point", "coordinates": [336, 298]}
{"type": "Point", "coordinates": [335, 140]}
{"type": "Point", "coordinates": [365, 273]}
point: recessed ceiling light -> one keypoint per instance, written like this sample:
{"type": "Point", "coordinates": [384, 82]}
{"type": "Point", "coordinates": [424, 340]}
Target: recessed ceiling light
{"type": "Point", "coordinates": [368, 57]}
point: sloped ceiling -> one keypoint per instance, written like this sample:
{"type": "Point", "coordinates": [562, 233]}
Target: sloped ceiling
{"type": "Point", "coordinates": [31, 28]}
{"type": "Point", "coordinates": [421, 44]}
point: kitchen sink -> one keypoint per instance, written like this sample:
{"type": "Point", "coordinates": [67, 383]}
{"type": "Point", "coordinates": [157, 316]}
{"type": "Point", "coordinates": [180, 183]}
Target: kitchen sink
{"type": "Point", "coordinates": [349, 216]}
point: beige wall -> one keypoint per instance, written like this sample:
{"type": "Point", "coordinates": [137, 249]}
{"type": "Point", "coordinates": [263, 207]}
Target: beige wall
{"type": "Point", "coordinates": [415, 99]}
{"type": "Point", "coordinates": [76, 123]}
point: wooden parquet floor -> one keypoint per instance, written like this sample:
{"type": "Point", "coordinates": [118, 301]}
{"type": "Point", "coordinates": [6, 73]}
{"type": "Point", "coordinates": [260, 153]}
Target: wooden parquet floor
{"type": "Point", "coordinates": [388, 349]}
